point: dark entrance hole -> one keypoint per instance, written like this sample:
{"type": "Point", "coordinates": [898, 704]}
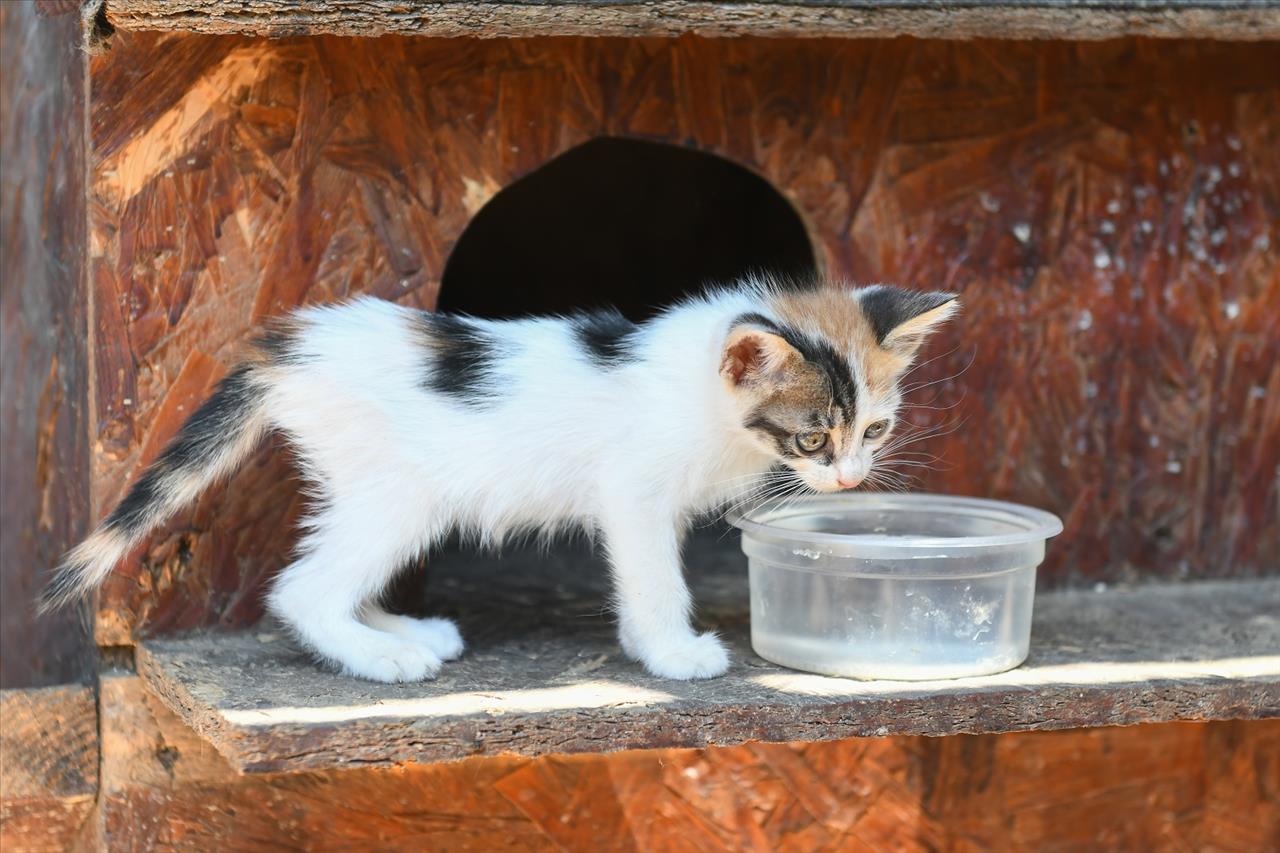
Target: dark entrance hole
{"type": "Point", "coordinates": [636, 225]}
{"type": "Point", "coordinates": [619, 222]}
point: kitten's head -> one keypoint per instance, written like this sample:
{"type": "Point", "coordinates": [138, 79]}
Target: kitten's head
{"type": "Point", "coordinates": [816, 380]}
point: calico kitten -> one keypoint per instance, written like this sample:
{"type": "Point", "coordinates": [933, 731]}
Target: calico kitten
{"type": "Point", "coordinates": [410, 424]}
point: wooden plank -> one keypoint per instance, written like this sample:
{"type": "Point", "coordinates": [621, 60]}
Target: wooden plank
{"type": "Point", "coordinates": [44, 447]}
{"type": "Point", "coordinates": [1242, 20]}
{"type": "Point", "coordinates": [544, 675]}
{"type": "Point", "coordinates": [1183, 786]}
{"type": "Point", "coordinates": [1115, 362]}
{"type": "Point", "coordinates": [48, 766]}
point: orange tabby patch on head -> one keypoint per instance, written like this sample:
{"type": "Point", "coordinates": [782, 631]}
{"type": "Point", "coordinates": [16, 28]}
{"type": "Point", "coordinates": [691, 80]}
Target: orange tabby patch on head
{"type": "Point", "coordinates": [827, 310]}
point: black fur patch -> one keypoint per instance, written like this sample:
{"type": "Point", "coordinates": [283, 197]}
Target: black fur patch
{"type": "Point", "coordinates": [213, 427]}
{"type": "Point", "coordinates": [131, 514]}
{"type": "Point", "coordinates": [887, 308]}
{"type": "Point", "coordinates": [605, 335]}
{"type": "Point", "coordinates": [834, 366]}
{"type": "Point", "coordinates": [839, 374]}
{"type": "Point", "coordinates": [279, 343]}
{"type": "Point", "coordinates": [464, 358]}
{"type": "Point", "coordinates": [781, 437]}
{"type": "Point", "coordinates": [215, 424]}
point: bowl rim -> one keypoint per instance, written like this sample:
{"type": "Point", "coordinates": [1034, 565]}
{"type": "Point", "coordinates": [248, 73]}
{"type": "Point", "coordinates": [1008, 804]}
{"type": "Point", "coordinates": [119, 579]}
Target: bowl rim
{"type": "Point", "coordinates": [1038, 524]}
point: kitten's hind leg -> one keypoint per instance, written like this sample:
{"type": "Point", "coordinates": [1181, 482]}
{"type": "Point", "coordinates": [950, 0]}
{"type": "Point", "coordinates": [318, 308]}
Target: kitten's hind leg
{"type": "Point", "coordinates": [437, 634]}
{"type": "Point", "coordinates": [322, 595]}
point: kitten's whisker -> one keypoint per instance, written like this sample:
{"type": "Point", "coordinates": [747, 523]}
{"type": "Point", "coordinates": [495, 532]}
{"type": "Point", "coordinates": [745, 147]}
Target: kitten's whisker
{"type": "Point", "coordinates": [927, 407]}
{"type": "Point", "coordinates": [949, 352]}
{"type": "Point", "coordinates": [913, 388]}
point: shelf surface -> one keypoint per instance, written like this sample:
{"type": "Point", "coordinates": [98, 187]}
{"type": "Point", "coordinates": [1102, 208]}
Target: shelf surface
{"type": "Point", "coordinates": [543, 673]}
{"type": "Point", "coordinates": [1063, 19]}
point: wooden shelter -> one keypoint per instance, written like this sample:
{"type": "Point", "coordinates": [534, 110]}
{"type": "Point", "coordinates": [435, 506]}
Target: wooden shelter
{"type": "Point", "coordinates": [1101, 180]}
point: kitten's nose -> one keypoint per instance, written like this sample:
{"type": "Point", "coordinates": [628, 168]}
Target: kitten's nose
{"type": "Point", "coordinates": [848, 483]}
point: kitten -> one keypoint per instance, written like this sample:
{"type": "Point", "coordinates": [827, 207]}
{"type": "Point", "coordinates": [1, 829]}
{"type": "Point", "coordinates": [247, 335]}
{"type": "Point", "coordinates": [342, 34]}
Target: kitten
{"type": "Point", "coordinates": [411, 424]}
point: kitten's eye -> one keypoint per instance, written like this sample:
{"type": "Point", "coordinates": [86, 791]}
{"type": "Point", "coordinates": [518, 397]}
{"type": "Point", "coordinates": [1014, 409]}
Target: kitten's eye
{"type": "Point", "coordinates": [876, 430]}
{"type": "Point", "coordinates": [811, 442]}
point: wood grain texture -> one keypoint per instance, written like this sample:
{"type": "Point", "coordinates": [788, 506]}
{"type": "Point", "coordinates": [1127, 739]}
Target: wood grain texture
{"type": "Point", "coordinates": [1107, 210]}
{"type": "Point", "coordinates": [1173, 786]}
{"type": "Point", "coordinates": [1247, 20]}
{"type": "Point", "coordinates": [543, 674]}
{"type": "Point", "coordinates": [44, 366]}
{"type": "Point", "coordinates": [48, 766]}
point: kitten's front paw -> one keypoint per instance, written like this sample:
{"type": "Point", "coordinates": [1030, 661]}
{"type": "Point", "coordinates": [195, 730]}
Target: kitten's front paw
{"type": "Point", "coordinates": [695, 656]}
{"type": "Point", "coordinates": [439, 635]}
{"type": "Point", "coordinates": [391, 661]}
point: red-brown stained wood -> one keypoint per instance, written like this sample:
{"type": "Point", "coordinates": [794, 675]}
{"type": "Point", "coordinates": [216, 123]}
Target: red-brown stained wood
{"type": "Point", "coordinates": [48, 766]}
{"type": "Point", "coordinates": [1172, 786]}
{"type": "Point", "coordinates": [44, 369]}
{"type": "Point", "coordinates": [1108, 211]}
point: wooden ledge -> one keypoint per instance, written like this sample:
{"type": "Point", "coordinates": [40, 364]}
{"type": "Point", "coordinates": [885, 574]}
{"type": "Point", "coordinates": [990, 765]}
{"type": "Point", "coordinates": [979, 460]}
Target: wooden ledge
{"type": "Point", "coordinates": [543, 674]}
{"type": "Point", "coordinates": [1239, 20]}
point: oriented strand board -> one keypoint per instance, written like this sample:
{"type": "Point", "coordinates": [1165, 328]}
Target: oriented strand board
{"type": "Point", "coordinates": [1107, 210]}
{"type": "Point", "coordinates": [1177, 785]}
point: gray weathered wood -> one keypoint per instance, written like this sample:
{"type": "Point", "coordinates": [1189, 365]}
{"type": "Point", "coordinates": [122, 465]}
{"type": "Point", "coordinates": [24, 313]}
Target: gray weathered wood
{"type": "Point", "coordinates": [48, 766]}
{"type": "Point", "coordinates": [821, 18]}
{"type": "Point", "coordinates": [543, 674]}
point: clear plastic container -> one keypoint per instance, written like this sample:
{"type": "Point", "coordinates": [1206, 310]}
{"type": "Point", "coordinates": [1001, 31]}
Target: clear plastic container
{"type": "Point", "coordinates": [903, 587]}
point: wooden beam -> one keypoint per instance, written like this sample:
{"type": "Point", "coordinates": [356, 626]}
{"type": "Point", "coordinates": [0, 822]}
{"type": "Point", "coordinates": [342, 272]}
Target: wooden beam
{"type": "Point", "coordinates": [544, 675]}
{"type": "Point", "coordinates": [44, 361]}
{"type": "Point", "coordinates": [48, 766]}
{"type": "Point", "coordinates": [1245, 21]}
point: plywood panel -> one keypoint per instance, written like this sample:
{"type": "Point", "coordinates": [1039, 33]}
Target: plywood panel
{"type": "Point", "coordinates": [1108, 211]}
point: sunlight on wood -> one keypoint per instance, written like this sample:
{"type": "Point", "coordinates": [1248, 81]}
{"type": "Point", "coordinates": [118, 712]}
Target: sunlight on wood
{"type": "Point", "coordinates": [588, 694]}
{"type": "Point", "coordinates": [1095, 673]}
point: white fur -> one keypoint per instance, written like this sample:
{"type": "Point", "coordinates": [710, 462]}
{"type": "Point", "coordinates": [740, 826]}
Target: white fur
{"type": "Point", "coordinates": [632, 453]}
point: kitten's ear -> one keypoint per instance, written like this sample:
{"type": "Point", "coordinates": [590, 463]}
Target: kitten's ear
{"type": "Point", "coordinates": [752, 353]}
{"type": "Point", "coordinates": [902, 319]}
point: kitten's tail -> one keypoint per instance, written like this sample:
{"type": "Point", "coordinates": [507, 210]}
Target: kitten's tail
{"type": "Point", "coordinates": [211, 444]}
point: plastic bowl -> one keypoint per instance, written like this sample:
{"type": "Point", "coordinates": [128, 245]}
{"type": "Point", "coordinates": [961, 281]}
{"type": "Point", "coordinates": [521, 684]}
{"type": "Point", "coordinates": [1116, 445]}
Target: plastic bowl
{"type": "Point", "coordinates": [901, 587]}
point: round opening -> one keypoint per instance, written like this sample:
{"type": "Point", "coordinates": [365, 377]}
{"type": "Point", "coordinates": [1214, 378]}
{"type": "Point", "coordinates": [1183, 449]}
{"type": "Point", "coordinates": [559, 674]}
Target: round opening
{"type": "Point", "coordinates": [622, 223]}
{"type": "Point", "coordinates": [613, 222]}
